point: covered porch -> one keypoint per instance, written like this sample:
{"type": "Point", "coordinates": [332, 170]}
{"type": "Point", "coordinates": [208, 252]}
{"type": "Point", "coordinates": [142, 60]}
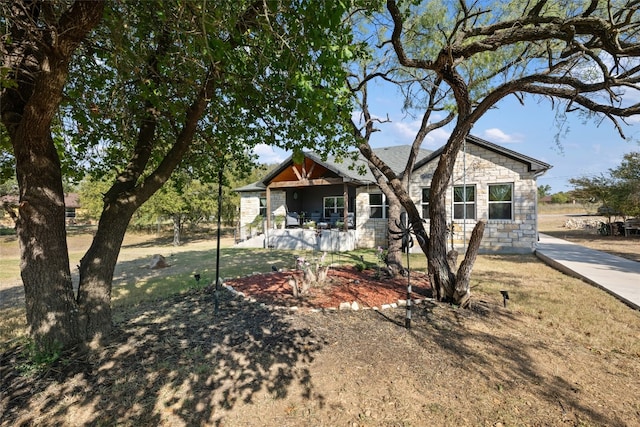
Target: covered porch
{"type": "Point", "coordinates": [309, 195]}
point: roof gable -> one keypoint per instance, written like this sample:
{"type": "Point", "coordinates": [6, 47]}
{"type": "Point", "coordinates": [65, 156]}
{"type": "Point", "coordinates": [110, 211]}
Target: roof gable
{"type": "Point", "coordinates": [533, 165]}
{"type": "Point", "coordinates": [348, 167]}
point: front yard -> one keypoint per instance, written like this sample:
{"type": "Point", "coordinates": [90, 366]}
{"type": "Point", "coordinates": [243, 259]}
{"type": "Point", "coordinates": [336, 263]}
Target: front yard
{"type": "Point", "coordinates": [560, 353]}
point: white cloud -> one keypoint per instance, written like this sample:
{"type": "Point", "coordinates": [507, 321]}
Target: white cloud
{"type": "Point", "coordinates": [498, 136]}
{"type": "Point", "coordinates": [404, 132]}
{"type": "Point", "coordinates": [267, 154]}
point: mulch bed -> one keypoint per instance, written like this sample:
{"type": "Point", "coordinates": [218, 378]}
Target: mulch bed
{"type": "Point", "coordinates": [343, 285]}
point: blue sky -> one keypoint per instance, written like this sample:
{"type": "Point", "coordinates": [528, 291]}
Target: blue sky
{"type": "Point", "coordinates": [589, 147]}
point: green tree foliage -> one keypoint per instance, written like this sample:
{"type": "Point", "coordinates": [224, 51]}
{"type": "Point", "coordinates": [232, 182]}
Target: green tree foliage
{"type": "Point", "coordinates": [595, 189]}
{"type": "Point", "coordinates": [617, 192]}
{"type": "Point", "coordinates": [91, 191]}
{"type": "Point", "coordinates": [628, 174]}
{"type": "Point", "coordinates": [560, 197]}
{"type": "Point", "coordinates": [9, 187]}
{"type": "Point", "coordinates": [543, 191]}
{"type": "Point", "coordinates": [134, 90]}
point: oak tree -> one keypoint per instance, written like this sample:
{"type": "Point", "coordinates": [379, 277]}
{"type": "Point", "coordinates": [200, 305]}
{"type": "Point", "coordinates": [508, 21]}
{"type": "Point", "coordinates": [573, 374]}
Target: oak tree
{"type": "Point", "coordinates": [128, 92]}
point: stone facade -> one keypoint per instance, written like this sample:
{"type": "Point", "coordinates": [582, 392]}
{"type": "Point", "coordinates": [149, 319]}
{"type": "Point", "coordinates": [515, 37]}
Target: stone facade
{"type": "Point", "coordinates": [372, 232]}
{"type": "Point", "coordinates": [249, 209]}
{"type": "Point", "coordinates": [481, 168]}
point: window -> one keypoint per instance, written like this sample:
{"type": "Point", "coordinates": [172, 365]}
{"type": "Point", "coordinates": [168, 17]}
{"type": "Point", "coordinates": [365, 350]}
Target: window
{"type": "Point", "coordinates": [464, 202]}
{"type": "Point", "coordinates": [501, 201]}
{"type": "Point", "coordinates": [426, 193]}
{"type": "Point", "coordinates": [333, 204]}
{"type": "Point", "coordinates": [263, 207]}
{"type": "Point", "coordinates": [378, 205]}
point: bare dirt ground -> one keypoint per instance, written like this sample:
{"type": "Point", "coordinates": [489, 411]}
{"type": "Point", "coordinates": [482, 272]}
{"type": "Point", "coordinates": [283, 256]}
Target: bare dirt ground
{"type": "Point", "coordinates": [562, 353]}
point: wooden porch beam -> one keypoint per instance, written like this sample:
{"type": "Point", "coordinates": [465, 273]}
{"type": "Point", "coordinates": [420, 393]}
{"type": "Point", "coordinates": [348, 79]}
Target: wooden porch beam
{"type": "Point", "coordinates": [345, 194]}
{"type": "Point", "coordinates": [295, 170]}
{"type": "Point", "coordinates": [306, 183]}
{"type": "Point", "coordinates": [268, 208]}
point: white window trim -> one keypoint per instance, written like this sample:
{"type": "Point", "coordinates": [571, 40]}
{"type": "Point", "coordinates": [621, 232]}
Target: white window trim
{"type": "Point", "coordinates": [464, 204]}
{"type": "Point", "coordinates": [489, 202]}
{"type": "Point", "coordinates": [422, 204]}
{"type": "Point", "coordinates": [335, 205]}
{"type": "Point", "coordinates": [384, 206]}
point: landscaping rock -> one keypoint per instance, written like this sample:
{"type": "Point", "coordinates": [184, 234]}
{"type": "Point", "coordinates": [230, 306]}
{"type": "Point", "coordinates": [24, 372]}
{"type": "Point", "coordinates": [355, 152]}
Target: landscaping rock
{"type": "Point", "coordinates": [157, 262]}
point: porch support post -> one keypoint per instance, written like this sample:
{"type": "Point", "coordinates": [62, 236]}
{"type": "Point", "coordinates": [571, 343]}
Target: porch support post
{"type": "Point", "coordinates": [345, 195]}
{"type": "Point", "coordinates": [268, 208]}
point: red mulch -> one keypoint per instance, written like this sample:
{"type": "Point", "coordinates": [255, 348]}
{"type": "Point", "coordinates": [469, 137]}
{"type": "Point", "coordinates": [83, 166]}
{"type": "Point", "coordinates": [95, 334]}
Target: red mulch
{"type": "Point", "coordinates": [344, 284]}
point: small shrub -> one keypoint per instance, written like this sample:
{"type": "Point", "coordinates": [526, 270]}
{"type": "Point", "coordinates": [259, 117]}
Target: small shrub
{"type": "Point", "coordinates": [5, 231]}
{"type": "Point", "coordinates": [278, 220]}
{"type": "Point", "coordinates": [38, 358]}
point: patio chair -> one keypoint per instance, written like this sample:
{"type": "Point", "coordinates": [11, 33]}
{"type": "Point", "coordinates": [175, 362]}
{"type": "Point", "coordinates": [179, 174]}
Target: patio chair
{"type": "Point", "coordinates": [315, 216]}
{"type": "Point", "coordinates": [293, 220]}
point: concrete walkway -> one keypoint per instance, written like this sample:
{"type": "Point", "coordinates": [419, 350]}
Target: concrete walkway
{"type": "Point", "coordinates": [616, 275]}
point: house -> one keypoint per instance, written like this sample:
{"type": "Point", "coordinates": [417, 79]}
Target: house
{"type": "Point", "coordinates": [71, 205]}
{"type": "Point", "coordinates": [346, 209]}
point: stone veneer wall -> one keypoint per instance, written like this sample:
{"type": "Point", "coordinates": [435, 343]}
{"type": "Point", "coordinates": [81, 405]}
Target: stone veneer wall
{"type": "Point", "coordinates": [484, 167]}
{"type": "Point", "coordinates": [371, 232]}
{"type": "Point", "coordinates": [250, 208]}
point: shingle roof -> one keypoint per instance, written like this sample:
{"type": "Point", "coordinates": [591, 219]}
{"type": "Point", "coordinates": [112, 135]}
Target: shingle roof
{"type": "Point", "coordinates": [395, 157]}
{"type": "Point", "coordinates": [533, 164]}
{"type": "Point", "coordinates": [256, 186]}
{"type": "Point", "coordinates": [345, 166]}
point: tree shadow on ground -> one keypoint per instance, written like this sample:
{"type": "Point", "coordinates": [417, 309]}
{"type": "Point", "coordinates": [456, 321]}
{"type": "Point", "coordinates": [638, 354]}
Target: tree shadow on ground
{"type": "Point", "coordinates": [173, 362]}
{"type": "Point", "coordinates": [11, 297]}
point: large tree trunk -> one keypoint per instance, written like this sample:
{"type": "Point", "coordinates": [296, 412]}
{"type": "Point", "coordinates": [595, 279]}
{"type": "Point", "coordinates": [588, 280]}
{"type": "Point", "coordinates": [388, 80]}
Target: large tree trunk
{"type": "Point", "coordinates": [446, 284]}
{"type": "Point", "coordinates": [461, 292]}
{"type": "Point", "coordinates": [177, 228]}
{"type": "Point", "coordinates": [39, 56]}
{"type": "Point", "coordinates": [40, 227]}
{"type": "Point", "coordinates": [96, 271]}
{"type": "Point", "coordinates": [394, 252]}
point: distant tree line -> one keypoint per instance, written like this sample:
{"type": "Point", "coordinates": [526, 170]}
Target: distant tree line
{"type": "Point", "coordinates": [184, 200]}
{"type": "Point", "coordinates": [616, 193]}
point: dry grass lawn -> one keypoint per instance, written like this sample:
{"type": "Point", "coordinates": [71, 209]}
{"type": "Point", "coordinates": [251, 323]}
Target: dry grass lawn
{"type": "Point", "coordinates": [561, 353]}
{"type": "Point", "coordinates": [552, 221]}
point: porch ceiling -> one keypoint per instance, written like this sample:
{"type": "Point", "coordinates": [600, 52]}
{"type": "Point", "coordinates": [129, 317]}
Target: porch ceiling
{"type": "Point", "coordinates": [307, 174]}
{"type": "Point", "coordinates": [306, 183]}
